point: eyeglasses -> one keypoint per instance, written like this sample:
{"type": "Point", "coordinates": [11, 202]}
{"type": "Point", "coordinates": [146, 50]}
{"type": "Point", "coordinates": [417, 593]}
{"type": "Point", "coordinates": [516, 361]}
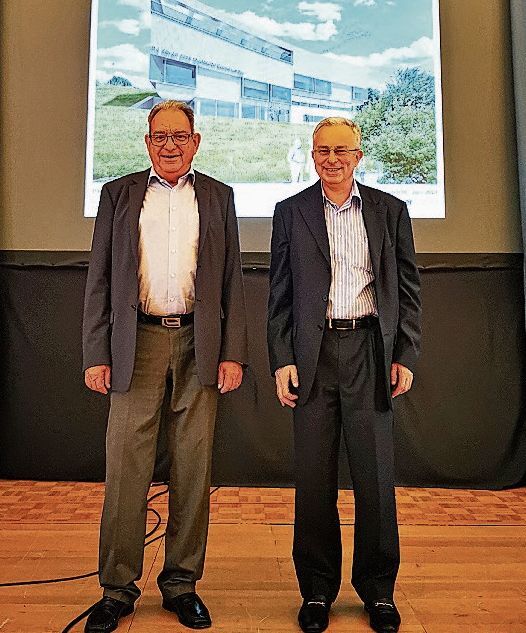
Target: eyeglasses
{"type": "Point", "coordinates": [161, 138]}
{"type": "Point", "coordinates": [339, 152]}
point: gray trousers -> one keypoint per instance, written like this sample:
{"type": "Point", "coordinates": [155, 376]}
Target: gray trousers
{"type": "Point", "coordinates": [131, 442]}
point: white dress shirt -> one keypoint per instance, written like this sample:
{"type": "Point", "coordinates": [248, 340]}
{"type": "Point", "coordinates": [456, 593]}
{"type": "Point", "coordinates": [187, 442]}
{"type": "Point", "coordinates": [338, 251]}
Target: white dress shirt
{"type": "Point", "coordinates": [351, 294]}
{"type": "Point", "coordinates": [168, 243]}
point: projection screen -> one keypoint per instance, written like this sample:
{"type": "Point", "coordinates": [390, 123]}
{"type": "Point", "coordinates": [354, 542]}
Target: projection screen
{"type": "Point", "coordinates": [259, 76]}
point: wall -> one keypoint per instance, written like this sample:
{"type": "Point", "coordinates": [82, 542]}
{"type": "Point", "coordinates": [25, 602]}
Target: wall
{"type": "Point", "coordinates": [44, 52]}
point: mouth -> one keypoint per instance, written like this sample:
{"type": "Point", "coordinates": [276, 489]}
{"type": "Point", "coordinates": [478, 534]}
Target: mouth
{"type": "Point", "coordinates": [332, 170]}
{"type": "Point", "coordinates": [170, 156]}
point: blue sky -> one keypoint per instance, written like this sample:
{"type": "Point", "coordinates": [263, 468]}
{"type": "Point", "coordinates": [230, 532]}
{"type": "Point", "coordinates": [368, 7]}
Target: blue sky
{"type": "Point", "coordinates": [373, 36]}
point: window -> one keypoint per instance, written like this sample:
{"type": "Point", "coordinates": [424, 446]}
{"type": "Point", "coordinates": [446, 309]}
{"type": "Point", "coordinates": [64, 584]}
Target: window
{"type": "Point", "coordinates": [212, 107]}
{"type": "Point", "coordinates": [171, 72]}
{"type": "Point", "coordinates": [311, 84]}
{"type": "Point", "coordinates": [312, 118]}
{"type": "Point", "coordinates": [359, 93]}
{"type": "Point", "coordinates": [302, 82]}
{"type": "Point", "coordinates": [279, 93]}
{"type": "Point", "coordinates": [156, 68]}
{"type": "Point", "coordinates": [322, 87]}
{"type": "Point", "coordinates": [207, 107]}
{"type": "Point", "coordinates": [248, 111]}
{"type": "Point", "coordinates": [255, 89]}
{"type": "Point", "coordinates": [226, 108]}
{"type": "Point", "coordinates": [179, 73]}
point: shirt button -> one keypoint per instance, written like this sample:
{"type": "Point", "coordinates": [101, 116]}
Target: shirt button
{"type": "Point", "coordinates": [173, 250]}
{"type": "Point", "coordinates": [172, 274]}
{"type": "Point", "coordinates": [172, 298]}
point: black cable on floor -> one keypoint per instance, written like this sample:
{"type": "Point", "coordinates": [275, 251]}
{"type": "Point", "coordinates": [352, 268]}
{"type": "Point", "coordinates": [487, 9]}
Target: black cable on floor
{"type": "Point", "coordinates": [86, 613]}
{"type": "Point", "coordinates": [49, 581]}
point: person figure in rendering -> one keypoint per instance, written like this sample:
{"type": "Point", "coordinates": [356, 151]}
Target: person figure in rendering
{"type": "Point", "coordinates": [343, 337]}
{"type": "Point", "coordinates": [164, 315]}
{"type": "Point", "coordinates": [296, 160]}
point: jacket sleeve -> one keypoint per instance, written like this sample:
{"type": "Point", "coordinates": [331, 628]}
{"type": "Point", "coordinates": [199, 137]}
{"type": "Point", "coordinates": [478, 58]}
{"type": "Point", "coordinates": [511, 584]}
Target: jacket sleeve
{"type": "Point", "coordinates": [234, 344]}
{"type": "Point", "coordinates": [408, 336]}
{"type": "Point", "coordinates": [280, 316]}
{"type": "Point", "coordinates": [96, 329]}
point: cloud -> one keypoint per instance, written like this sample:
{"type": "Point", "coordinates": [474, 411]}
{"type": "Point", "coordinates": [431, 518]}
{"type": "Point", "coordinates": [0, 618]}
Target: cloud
{"type": "Point", "coordinates": [138, 4]}
{"type": "Point", "coordinates": [144, 16]}
{"type": "Point", "coordinates": [323, 11]}
{"type": "Point", "coordinates": [365, 3]}
{"type": "Point", "coordinates": [376, 69]}
{"type": "Point", "coordinates": [296, 30]}
{"type": "Point", "coordinates": [128, 26]}
{"type": "Point", "coordinates": [122, 59]}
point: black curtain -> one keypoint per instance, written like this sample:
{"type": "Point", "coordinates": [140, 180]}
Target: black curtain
{"type": "Point", "coordinates": [460, 426]}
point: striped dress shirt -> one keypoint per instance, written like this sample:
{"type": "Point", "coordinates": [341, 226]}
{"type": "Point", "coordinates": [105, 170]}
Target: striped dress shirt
{"type": "Point", "coordinates": [351, 294]}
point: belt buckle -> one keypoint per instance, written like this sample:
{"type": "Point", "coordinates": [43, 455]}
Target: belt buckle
{"type": "Point", "coordinates": [171, 321]}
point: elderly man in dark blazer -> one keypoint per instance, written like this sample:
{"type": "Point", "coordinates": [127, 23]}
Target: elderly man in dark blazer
{"type": "Point", "coordinates": [343, 337]}
{"type": "Point", "coordinates": [164, 316]}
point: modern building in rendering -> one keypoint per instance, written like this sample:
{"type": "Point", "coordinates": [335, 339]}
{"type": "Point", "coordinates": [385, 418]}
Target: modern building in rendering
{"type": "Point", "coordinates": [223, 70]}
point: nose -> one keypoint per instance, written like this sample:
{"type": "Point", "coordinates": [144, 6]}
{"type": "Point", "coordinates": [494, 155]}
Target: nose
{"type": "Point", "coordinates": [170, 142]}
{"type": "Point", "coordinates": [332, 158]}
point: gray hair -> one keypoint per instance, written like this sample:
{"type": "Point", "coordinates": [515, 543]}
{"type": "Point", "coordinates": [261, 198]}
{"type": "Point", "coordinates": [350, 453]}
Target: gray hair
{"type": "Point", "coordinates": [339, 120]}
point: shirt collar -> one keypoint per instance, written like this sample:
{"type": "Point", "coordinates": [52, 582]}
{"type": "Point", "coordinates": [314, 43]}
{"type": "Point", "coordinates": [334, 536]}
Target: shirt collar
{"type": "Point", "coordinates": [355, 193]}
{"type": "Point", "coordinates": [188, 177]}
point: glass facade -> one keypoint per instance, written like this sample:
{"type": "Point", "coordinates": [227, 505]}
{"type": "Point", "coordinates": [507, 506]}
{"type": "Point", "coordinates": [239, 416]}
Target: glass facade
{"type": "Point", "coordinates": [311, 84]}
{"type": "Point", "coordinates": [170, 71]}
{"type": "Point", "coordinates": [255, 89]}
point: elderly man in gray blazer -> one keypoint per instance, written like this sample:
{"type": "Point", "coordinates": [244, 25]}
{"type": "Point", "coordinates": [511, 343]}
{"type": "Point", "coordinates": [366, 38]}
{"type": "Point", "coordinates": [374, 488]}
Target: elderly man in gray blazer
{"type": "Point", "coordinates": [164, 316]}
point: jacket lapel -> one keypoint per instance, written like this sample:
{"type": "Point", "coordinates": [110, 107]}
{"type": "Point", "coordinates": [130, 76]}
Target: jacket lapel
{"type": "Point", "coordinates": [312, 211]}
{"type": "Point", "coordinates": [202, 193]}
{"type": "Point", "coordinates": [137, 191]}
{"type": "Point", "coordinates": [374, 217]}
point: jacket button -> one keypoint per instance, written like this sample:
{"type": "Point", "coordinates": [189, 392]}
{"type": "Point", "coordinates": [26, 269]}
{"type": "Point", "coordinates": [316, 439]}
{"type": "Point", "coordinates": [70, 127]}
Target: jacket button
{"type": "Point", "coordinates": [325, 297]}
{"type": "Point", "coordinates": [320, 327]}
{"type": "Point", "coordinates": [134, 307]}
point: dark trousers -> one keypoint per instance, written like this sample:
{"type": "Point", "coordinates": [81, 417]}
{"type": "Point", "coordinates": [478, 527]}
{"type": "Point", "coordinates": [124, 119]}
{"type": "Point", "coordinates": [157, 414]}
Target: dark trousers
{"type": "Point", "coordinates": [349, 394]}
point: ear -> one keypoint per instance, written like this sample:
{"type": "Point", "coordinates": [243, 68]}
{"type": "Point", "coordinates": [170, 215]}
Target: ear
{"type": "Point", "coordinates": [147, 141]}
{"type": "Point", "coordinates": [197, 140]}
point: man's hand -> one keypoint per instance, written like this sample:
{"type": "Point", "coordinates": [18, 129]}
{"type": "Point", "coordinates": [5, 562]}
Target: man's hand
{"type": "Point", "coordinates": [401, 379]}
{"type": "Point", "coordinates": [285, 377]}
{"type": "Point", "coordinates": [229, 375]}
{"type": "Point", "coordinates": [98, 378]}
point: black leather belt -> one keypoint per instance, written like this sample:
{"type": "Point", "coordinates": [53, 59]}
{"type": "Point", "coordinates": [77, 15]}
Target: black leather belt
{"type": "Point", "coordinates": [352, 324]}
{"type": "Point", "coordinates": [171, 320]}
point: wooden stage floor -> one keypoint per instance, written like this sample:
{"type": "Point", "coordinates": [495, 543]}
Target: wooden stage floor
{"type": "Point", "coordinates": [463, 561]}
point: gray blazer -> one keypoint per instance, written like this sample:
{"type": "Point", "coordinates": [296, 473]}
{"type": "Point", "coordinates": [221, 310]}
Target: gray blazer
{"type": "Point", "coordinates": [110, 306]}
{"type": "Point", "coordinates": [300, 278]}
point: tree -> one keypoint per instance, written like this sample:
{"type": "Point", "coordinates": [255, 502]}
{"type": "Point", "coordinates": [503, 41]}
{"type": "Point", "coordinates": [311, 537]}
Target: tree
{"type": "Point", "coordinates": [406, 147]}
{"type": "Point", "coordinates": [398, 128]}
{"type": "Point", "coordinates": [117, 80]}
{"type": "Point", "coordinates": [412, 87]}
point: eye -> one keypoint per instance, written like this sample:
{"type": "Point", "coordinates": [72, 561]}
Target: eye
{"type": "Point", "coordinates": [159, 138]}
{"type": "Point", "coordinates": [182, 137]}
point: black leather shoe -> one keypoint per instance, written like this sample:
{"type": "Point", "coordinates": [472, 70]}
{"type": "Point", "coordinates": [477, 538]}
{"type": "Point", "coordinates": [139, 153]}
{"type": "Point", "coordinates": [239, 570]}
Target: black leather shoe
{"type": "Point", "coordinates": [383, 616]}
{"type": "Point", "coordinates": [106, 614]}
{"type": "Point", "coordinates": [190, 610]}
{"type": "Point", "coordinates": [313, 616]}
